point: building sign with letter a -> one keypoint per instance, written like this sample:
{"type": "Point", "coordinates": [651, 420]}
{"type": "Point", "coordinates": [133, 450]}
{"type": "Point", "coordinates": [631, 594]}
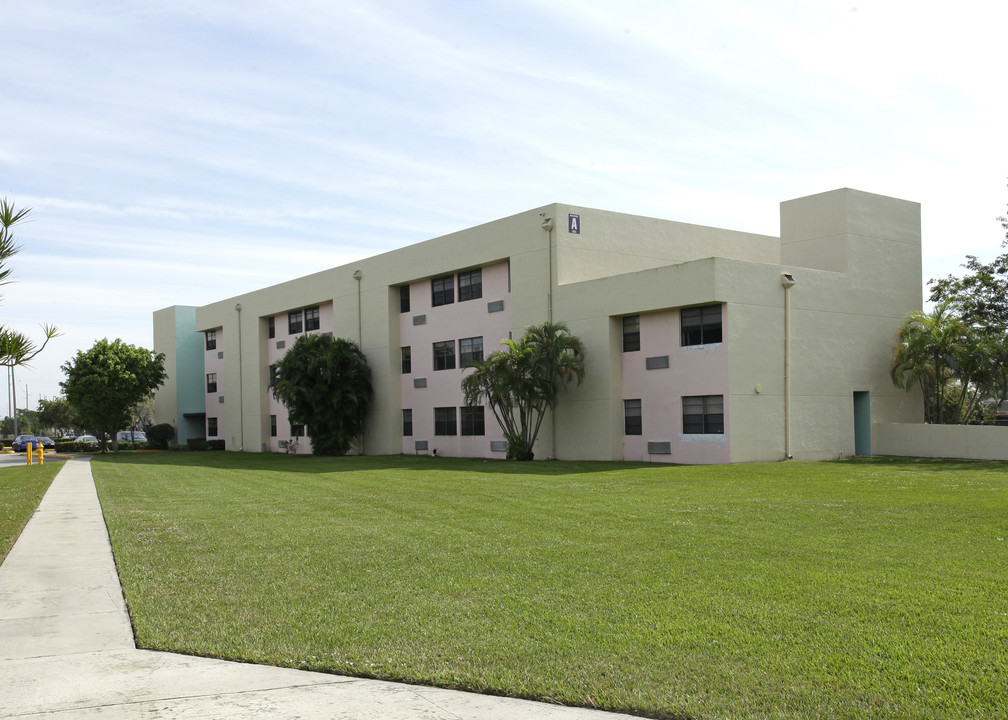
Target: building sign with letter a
{"type": "Point", "coordinates": [574, 223]}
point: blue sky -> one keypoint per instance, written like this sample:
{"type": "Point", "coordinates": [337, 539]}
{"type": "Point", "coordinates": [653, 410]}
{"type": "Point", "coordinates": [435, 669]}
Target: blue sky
{"type": "Point", "coordinates": [185, 152]}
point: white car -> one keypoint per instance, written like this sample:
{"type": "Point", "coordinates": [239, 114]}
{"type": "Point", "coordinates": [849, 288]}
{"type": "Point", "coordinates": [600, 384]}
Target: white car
{"type": "Point", "coordinates": [86, 439]}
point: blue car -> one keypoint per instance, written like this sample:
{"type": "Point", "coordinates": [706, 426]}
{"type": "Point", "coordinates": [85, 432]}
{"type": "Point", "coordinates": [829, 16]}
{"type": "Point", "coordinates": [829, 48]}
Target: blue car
{"type": "Point", "coordinates": [21, 442]}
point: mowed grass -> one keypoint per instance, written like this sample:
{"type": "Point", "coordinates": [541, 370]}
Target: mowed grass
{"type": "Point", "coordinates": [21, 490]}
{"type": "Point", "coordinates": [855, 589]}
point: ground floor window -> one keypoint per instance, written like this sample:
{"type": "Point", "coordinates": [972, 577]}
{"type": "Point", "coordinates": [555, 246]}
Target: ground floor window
{"type": "Point", "coordinates": [407, 423]}
{"type": "Point", "coordinates": [273, 426]}
{"type": "Point", "coordinates": [703, 415]}
{"type": "Point", "coordinates": [211, 427]}
{"type": "Point", "coordinates": [444, 421]}
{"type": "Point", "coordinates": [297, 430]}
{"type": "Point", "coordinates": [632, 421]}
{"type": "Point", "coordinates": [472, 420]}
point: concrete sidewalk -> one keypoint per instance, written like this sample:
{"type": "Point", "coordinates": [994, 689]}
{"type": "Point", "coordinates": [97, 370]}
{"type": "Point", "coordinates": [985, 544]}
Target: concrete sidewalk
{"type": "Point", "coordinates": [66, 645]}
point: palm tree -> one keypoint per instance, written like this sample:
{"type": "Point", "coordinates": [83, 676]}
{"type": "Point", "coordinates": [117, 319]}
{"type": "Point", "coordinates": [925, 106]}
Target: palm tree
{"type": "Point", "coordinates": [934, 350]}
{"type": "Point", "coordinates": [326, 384]}
{"type": "Point", "coordinates": [523, 379]}
{"type": "Point", "coordinates": [16, 349]}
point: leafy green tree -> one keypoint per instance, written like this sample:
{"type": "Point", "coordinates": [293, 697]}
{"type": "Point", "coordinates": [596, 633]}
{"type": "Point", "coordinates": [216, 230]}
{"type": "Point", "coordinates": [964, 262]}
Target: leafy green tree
{"type": "Point", "coordinates": [16, 348]}
{"type": "Point", "coordinates": [955, 364]}
{"type": "Point", "coordinates": [521, 381]}
{"type": "Point", "coordinates": [57, 415]}
{"type": "Point", "coordinates": [106, 382]}
{"type": "Point", "coordinates": [325, 383]}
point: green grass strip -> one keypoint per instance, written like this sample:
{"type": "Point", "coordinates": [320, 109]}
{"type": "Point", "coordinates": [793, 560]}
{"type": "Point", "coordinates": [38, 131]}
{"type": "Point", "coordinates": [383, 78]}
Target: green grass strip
{"type": "Point", "coordinates": [859, 589]}
{"type": "Point", "coordinates": [21, 490]}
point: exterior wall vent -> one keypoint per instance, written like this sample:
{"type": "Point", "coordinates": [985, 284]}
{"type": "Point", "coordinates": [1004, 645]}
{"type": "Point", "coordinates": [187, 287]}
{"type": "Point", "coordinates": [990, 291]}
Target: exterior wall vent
{"type": "Point", "coordinates": [498, 446]}
{"type": "Point", "coordinates": [281, 344]}
{"type": "Point", "coordinates": [419, 382]}
{"type": "Point", "coordinates": [495, 306]}
{"type": "Point", "coordinates": [420, 445]}
{"type": "Point", "coordinates": [659, 448]}
{"type": "Point", "coordinates": [419, 319]}
{"type": "Point", "coordinates": [220, 354]}
{"type": "Point", "coordinates": [657, 362]}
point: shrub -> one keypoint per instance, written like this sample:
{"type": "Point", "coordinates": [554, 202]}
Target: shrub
{"type": "Point", "coordinates": [159, 435]}
{"type": "Point", "coordinates": [196, 443]}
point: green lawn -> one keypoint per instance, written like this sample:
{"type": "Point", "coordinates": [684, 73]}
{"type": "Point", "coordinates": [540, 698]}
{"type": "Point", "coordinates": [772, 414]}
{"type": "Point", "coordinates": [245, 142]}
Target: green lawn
{"type": "Point", "coordinates": [21, 489]}
{"type": "Point", "coordinates": [800, 590]}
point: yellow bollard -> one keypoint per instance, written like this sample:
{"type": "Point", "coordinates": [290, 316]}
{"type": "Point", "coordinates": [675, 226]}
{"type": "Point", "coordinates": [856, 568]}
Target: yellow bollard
{"type": "Point", "coordinates": [28, 452]}
{"type": "Point", "coordinates": [41, 454]}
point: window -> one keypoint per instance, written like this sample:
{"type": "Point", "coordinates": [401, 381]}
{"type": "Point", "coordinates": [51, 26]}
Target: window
{"type": "Point", "coordinates": [211, 427]}
{"type": "Point", "coordinates": [274, 370]}
{"type": "Point", "coordinates": [407, 423]}
{"type": "Point", "coordinates": [297, 430]}
{"type": "Point", "coordinates": [273, 426]}
{"type": "Point", "coordinates": [272, 327]}
{"type": "Point", "coordinates": [444, 421]}
{"type": "Point", "coordinates": [632, 421]}
{"type": "Point", "coordinates": [701, 325]}
{"type": "Point", "coordinates": [294, 322]}
{"type": "Point", "coordinates": [311, 319]}
{"type": "Point", "coordinates": [404, 298]}
{"type": "Point", "coordinates": [703, 415]}
{"type": "Point", "coordinates": [444, 355]}
{"type": "Point", "coordinates": [407, 359]}
{"type": "Point", "coordinates": [211, 339]}
{"type": "Point", "coordinates": [470, 285]}
{"type": "Point", "coordinates": [631, 333]}
{"type": "Point", "coordinates": [472, 420]}
{"type": "Point", "coordinates": [211, 382]}
{"type": "Point", "coordinates": [443, 290]}
{"type": "Point", "coordinates": [470, 350]}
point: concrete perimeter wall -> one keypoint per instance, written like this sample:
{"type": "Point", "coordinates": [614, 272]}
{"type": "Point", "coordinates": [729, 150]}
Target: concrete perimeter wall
{"type": "Point", "coordinates": [970, 442]}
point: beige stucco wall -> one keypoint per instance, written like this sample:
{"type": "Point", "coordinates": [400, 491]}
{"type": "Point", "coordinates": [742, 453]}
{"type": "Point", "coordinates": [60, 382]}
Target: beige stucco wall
{"type": "Point", "coordinates": [970, 442]}
{"type": "Point", "coordinates": [855, 257]}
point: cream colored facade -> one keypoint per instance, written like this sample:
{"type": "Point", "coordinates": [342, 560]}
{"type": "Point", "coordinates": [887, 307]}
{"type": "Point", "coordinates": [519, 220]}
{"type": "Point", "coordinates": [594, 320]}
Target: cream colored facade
{"type": "Point", "coordinates": [801, 371]}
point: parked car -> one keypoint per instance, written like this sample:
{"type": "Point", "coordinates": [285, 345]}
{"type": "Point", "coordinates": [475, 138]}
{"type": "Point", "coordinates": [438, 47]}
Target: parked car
{"type": "Point", "coordinates": [47, 442]}
{"type": "Point", "coordinates": [86, 439]}
{"type": "Point", "coordinates": [21, 442]}
{"type": "Point", "coordinates": [131, 435]}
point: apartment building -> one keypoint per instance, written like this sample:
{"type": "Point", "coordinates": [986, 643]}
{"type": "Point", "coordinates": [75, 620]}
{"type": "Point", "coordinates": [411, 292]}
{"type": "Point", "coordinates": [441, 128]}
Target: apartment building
{"type": "Point", "coordinates": [704, 345]}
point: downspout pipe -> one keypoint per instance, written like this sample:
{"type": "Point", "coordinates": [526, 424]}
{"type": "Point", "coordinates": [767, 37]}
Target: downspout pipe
{"type": "Point", "coordinates": [787, 282]}
{"type": "Point", "coordinates": [547, 225]}
{"type": "Point", "coordinates": [241, 385]}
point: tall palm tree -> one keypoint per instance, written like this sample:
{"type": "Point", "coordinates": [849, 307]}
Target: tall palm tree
{"type": "Point", "coordinates": [523, 379]}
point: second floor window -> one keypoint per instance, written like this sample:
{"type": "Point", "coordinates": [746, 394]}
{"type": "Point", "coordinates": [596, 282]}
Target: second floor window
{"type": "Point", "coordinates": [211, 339]}
{"type": "Point", "coordinates": [272, 327]}
{"type": "Point", "coordinates": [470, 350]}
{"type": "Point", "coordinates": [211, 382]}
{"type": "Point", "coordinates": [444, 355]}
{"type": "Point", "coordinates": [700, 325]}
{"type": "Point", "coordinates": [407, 359]}
{"type": "Point", "coordinates": [404, 298]}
